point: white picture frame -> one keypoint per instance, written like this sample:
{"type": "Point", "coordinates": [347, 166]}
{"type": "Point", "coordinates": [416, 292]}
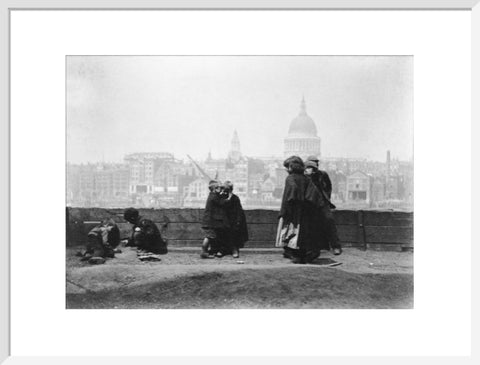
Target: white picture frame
{"type": "Point", "coordinates": [10, 7]}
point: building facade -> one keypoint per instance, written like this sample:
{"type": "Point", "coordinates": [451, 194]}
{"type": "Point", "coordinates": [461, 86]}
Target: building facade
{"type": "Point", "coordinates": [358, 188]}
{"type": "Point", "coordinates": [143, 167]}
{"type": "Point", "coordinates": [101, 184]}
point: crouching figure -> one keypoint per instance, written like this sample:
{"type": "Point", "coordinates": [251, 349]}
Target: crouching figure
{"type": "Point", "coordinates": [102, 242]}
{"type": "Point", "coordinates": [145, 234]}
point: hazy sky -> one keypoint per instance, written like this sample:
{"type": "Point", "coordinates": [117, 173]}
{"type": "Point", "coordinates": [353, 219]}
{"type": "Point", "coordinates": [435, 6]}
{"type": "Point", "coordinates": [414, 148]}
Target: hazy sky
{"type": "Point", "coordinates": [362, 106]}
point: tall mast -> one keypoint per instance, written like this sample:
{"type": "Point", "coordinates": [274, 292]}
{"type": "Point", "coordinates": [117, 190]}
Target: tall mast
{"type": "Point", "coordinates": [202, 172]}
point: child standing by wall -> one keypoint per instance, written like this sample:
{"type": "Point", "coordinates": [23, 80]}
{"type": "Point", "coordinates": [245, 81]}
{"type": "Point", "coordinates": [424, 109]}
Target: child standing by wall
{"type": "Point", "coordinates": [215, 221]}
{"type": "Point", "coordinates": [238, 232]}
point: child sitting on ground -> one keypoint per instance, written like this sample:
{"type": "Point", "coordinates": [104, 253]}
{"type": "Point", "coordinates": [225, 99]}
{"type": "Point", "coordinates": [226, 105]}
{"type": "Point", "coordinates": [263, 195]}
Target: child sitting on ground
{"type": "Point", "coordinates": [102, 242]}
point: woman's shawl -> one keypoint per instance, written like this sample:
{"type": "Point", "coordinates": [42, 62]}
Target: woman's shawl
{"type": "Point", "coordinates": [293, 197]}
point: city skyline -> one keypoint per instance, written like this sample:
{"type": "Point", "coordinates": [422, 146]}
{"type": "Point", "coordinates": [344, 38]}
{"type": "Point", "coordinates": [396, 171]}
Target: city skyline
{"type": "Point", "coordinates": [192, 105]}
{"type": "Point", "coordinates": [204, 158]}
{"type": "Point", "coordinates": [157, 180]}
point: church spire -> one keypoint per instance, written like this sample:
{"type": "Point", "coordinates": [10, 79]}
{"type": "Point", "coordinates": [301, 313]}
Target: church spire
{"type": "Point", "coordinates": [235, 146]}
{"type": "Point", "coordinates": [303, 107]}
{"type": "Point", "coordinates": [235, 138]}
{"type": "Point", "coordinates": [235, 153]}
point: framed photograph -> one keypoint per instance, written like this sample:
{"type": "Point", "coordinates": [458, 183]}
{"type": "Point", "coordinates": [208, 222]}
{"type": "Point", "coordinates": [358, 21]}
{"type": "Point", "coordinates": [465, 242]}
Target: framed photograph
{"type": "Point", "coordinates": [189, 180]}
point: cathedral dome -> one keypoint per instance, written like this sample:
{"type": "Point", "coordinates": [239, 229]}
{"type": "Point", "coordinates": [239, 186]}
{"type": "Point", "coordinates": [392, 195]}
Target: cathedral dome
{"type": "Point", "coordinates": [303, 125]}
{"type": "Point", "coordinates": [302, 139]}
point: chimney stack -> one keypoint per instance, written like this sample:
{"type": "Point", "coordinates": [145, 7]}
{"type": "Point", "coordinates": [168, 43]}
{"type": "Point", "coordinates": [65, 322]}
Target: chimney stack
{"type": "Point", "coordinates": [388, 163]}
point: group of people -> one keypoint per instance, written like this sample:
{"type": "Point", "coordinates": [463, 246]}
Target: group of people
{"type": "Point", "coordinates": [224, 222]}
{"type": "Point", "coordinates": [306, 224]}
{"type": "Point", "coordinates": [103, 240]}
{"type": "Point", "coordinates": [224, 225]}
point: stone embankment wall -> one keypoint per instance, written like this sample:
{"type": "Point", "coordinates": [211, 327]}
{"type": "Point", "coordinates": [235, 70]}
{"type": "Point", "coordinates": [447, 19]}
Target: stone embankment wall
{"type": "Point", "coordinates": [377, 230]}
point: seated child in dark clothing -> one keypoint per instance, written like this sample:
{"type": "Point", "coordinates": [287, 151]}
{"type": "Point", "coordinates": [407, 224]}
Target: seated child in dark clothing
{"type": "Point", "coordinates": [145, 234]}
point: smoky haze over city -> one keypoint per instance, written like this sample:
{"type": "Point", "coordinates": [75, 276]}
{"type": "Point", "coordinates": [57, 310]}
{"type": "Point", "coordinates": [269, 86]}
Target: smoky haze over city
{"type": "Point", "coordinates": [149, 131]}
{"type": "Point", "coordinates": [362, 106]}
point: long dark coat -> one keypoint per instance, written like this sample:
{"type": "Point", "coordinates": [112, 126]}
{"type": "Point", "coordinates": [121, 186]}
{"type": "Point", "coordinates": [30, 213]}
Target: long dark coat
{"type": "Point", "coordinates": [295, 208]}
{"type": "Point", "coordinates": [238, 222]}
{"type": "Point", "coordinates": [293, 198]}
{"type": "Point", "coordinates": [215, 215]}
{"type": "Point", "coordinates": [316, 204]}
{"type": "Point", "coordinates": [323, 183]}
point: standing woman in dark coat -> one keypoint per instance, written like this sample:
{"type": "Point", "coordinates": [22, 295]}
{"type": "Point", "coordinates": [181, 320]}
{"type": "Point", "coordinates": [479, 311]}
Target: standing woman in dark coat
{"type": "Point", "coordinates": [294, 225]}
{"type": "Point", "coordinates": [238, 223]}
{"type": "Point", "coordinates": [325, 228]}
{"type": "Point", "coordinates": [316, 201]}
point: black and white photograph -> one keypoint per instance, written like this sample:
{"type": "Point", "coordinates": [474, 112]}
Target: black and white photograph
{"type": "Point", "coordinates": [239, 182]}
{"type": "Point", "coordinates": [265, 181]}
